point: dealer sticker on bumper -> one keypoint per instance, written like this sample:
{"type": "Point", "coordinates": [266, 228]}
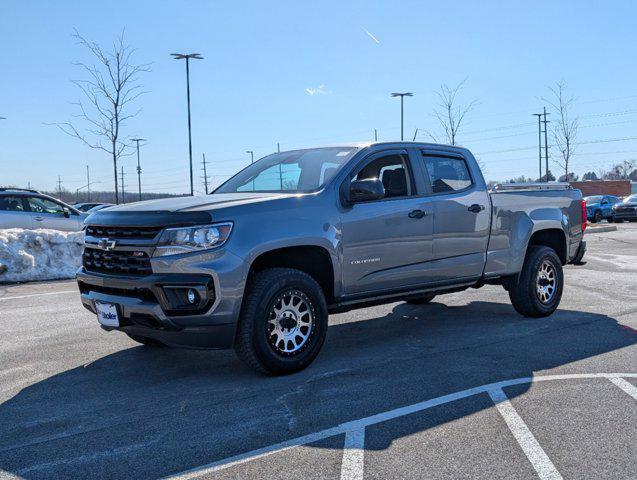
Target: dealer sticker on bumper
{"type": "Point", "coordinates": [107, 314]}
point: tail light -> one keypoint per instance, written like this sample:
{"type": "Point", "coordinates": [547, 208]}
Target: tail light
{"type": "Point", "coordinates": [583, 215]}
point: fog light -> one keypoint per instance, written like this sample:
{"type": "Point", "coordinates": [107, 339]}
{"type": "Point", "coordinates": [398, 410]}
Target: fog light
{"type": "Point", "coordinates": [192, 296]}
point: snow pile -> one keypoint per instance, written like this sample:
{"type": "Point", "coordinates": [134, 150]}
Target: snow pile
{"type": "Point", "coordinates": [27, 255]}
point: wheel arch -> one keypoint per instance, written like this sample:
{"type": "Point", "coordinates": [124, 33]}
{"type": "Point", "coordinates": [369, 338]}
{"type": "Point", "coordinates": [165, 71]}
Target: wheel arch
{"type": "Point", "coordinates": [314, 260]}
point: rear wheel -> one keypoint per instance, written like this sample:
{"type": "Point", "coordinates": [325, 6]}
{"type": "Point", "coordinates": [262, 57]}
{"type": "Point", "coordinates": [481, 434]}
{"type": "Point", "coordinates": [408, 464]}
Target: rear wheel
{"type": "Point", "coordinates": [421, 300]}
{"type": "Point", "coordinates": [538, 290]}
{"type": "Point", "coordinates": [148, 342]}
{"type": "Point", "coordinates": [283, 321]}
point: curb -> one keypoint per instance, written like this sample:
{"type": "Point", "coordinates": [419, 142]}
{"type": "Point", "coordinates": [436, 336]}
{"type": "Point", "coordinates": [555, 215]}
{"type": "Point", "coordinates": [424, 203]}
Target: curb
{"type": "Point", "coordinates": [609, 228]}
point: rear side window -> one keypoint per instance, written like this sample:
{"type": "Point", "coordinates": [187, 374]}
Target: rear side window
{"type": "Point", "coordinates": [447, 174]}
{"type": "Point", "coordinates": [11, 204]}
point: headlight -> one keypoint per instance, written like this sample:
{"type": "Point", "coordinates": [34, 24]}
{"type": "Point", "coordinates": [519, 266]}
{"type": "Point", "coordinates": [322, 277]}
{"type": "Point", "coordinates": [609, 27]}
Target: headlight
{"type": "Point", "coordinates": [191, 239]}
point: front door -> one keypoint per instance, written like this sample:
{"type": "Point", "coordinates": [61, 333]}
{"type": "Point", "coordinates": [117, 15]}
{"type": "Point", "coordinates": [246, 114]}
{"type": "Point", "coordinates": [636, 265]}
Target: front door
{"type": "Point", "coordinates": [386, 242]}
{"type": "Point", "coordinates": [49, 214]}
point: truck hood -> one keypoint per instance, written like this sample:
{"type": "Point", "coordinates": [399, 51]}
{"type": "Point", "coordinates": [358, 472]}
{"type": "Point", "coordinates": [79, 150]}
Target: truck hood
{"type": "Point", "coordinates": [198, 203]}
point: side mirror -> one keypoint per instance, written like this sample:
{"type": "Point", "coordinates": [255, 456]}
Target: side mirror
{"type": "Point", "coordinates": [366, 190]}
{"type": "Point", "coordinates": [66, 213]}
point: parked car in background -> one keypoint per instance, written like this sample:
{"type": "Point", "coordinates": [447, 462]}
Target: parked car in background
{"type": "Point", "coordinates": [626, 210]}
{"type": "Point", "coordinates": [86, 206]}
{"type": "Point", "coordinates": [30, 209]}
{"type": "Point", "coordinates": [599, 207]}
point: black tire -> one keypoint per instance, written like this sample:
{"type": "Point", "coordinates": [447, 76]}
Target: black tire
{"type": "Point", "coordinates": [148, 342]}
{"type": "Point", "coordinates": [610, 220]}
{"type": "Point", "coordinates": [525, 296]}
{"type": "Point", "coordinates": [254, 342]}
{"type": "Point", "coordinates": [421, 300]}
{"type": "Point", "coordinates": [618, 220]}
{"type": "Point", "coordinates": [597, 216]}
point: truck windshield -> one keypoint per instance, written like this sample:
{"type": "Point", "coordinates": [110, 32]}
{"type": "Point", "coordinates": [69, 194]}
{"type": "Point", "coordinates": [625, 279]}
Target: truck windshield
{"type": "Point", "coordinates": [294, 171]}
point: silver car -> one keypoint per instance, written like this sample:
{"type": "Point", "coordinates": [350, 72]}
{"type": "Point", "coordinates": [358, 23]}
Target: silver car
{"type": "Point", "coordinates": [31, 209]}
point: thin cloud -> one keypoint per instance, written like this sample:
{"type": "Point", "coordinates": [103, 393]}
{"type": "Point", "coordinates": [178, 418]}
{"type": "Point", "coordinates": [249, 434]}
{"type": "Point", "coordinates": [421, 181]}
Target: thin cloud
{"type": "Point", "coordinates": [320, 90]}
{"type": "Point", "coordinates": [370, 35]}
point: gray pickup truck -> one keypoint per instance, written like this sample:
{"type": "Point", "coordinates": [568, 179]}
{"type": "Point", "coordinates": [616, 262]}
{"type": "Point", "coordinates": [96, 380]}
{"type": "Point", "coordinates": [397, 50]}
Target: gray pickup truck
{"type": "Point", "coordinates": [259, 264]}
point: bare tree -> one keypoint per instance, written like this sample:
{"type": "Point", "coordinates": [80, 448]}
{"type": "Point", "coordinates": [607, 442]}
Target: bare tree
{"type": "Point", "coordinates": [449, 114]}
{"type": "Point", "coordinates": [564, 128]}
{"type": "Point", "coordinates": [625, 168]}
{"type": "Point", "coordinates": [107, 93]}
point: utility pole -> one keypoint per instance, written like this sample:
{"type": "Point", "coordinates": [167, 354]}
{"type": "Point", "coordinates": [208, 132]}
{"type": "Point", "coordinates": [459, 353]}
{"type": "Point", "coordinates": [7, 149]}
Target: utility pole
{"type": "Point", "coordinates": [375, 135]}
{"type": "Point", "coordinates": [278, 147]}
{"type": "Point", "coordinates": [539, 139]}
{"type": "Point", "coordinates": [205, 174]}
{"type": "Point", "coordinates": [139, 167]}
{"type": "Point", "coordinates": [59, 187]}
{"type": "Point", "coordinates": [415, 135]}
{"type": "Point", "coordinates": [122, 182]}
{"type": "Point", "coordinates": [88, 184]}
{"type": "Point", "coordinates": [402, 96]}
{"type": "Point", "coordinates": [546, 145]}
{"type": "Point", "coordinates": [188, 56]}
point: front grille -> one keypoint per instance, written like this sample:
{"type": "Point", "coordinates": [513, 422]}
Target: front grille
{"type": "Point", "coordinates": [132, 233]}
{"type": "Point", "coordinates": [116, 262]}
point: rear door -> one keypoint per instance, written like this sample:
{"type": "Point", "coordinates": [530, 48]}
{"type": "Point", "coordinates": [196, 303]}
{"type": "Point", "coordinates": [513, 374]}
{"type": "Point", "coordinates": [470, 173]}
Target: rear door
{"type": "Point", "coordinates": [14, 212]}
{"type": "Point", "coordinates": [461, 215]}
{"type": "Point", "coordinates": [387, 242]}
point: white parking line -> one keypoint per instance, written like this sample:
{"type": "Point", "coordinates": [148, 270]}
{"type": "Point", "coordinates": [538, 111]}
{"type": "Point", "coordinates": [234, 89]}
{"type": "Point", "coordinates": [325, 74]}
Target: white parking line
{"type": "Point", "coordinates": [529, 445]}
{"type": "Point", "coordinates": [627, 387]}
{"type": "Point", "coordinates": [353, 455]}
{"type": "Point", "coordinates": [361, 423]}
{"type": "Point", "coordinates": [37, 295]}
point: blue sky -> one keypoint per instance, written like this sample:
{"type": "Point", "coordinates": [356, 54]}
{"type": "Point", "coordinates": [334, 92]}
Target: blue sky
{"type": "Point", "coordinates": [250, 91]}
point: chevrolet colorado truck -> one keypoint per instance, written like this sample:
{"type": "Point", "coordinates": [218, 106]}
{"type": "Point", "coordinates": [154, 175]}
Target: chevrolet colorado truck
{"type": "Point", "coordinates": [259, 264]}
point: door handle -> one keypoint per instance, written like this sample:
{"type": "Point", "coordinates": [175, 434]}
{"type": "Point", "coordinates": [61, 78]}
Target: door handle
{"type": "Point", "coordinates": [417, 214]}
{"type": "Point", "coordinates": [39, 219]}
{"type": "Point", "coordinates": [475, 208]}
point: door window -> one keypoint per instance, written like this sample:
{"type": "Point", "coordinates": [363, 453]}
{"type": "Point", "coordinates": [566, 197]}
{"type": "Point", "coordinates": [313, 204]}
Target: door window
{"type": "Point", "coordinates": [393, 171]}
{"type": "Point", "coordinates": [11, 204]}
{"type": "Point", "coordinates": [447, 174]}
{"type": "Point", "coordinates": [44, 205]}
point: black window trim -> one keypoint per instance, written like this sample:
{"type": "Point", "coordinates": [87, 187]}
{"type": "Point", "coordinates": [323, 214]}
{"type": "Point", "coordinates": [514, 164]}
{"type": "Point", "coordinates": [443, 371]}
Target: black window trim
{"type": "Point", "coordinates": [375, 155]}
{"type": "Point", "coordinates": [444, 154]}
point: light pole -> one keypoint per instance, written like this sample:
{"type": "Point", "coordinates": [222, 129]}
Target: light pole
{"type": "Point", "coordinates": [251, 162]}
{"type": "Point", "coordinates": [188, 56]}
{"type": "Point", "coordinates": [139, 167]}
{"type": "Point", "coordinates": [402, 95]}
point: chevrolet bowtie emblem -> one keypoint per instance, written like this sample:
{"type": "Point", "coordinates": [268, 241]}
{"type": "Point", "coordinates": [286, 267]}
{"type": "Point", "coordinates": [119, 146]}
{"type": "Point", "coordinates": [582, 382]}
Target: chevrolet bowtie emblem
{"type": "Point", "coordinates": [106, 244]}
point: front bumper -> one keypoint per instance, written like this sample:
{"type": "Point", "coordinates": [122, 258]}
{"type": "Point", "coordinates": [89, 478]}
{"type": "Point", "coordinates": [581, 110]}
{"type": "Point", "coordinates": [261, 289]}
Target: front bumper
{"type": "Point", "coordinates": [144, 310]}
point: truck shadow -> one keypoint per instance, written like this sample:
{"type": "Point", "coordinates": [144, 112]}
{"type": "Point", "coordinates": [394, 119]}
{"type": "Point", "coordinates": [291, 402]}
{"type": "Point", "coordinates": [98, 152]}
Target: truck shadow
{"type": "Point", "coordinates": [148, 413]}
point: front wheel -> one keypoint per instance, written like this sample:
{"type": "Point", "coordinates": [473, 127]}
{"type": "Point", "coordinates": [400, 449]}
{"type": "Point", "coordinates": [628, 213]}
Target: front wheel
{"type": "Point", "coordinates": [283, 321]}
{"type": "Point", "coordinates": [538, 290]}
{"type": "Point", "coordinates": [597, 217]}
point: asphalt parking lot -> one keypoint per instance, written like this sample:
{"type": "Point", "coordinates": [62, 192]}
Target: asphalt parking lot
{"type": "Point", "coordinates": [461, 388]}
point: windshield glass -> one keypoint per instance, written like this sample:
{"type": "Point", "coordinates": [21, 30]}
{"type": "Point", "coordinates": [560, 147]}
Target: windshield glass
{"type": "Point", "coordinates": [295, 171]}
{"type": "Point", "coordinates": [631, 199]}
{"type": "Point", "coordinates": [593, 199]}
